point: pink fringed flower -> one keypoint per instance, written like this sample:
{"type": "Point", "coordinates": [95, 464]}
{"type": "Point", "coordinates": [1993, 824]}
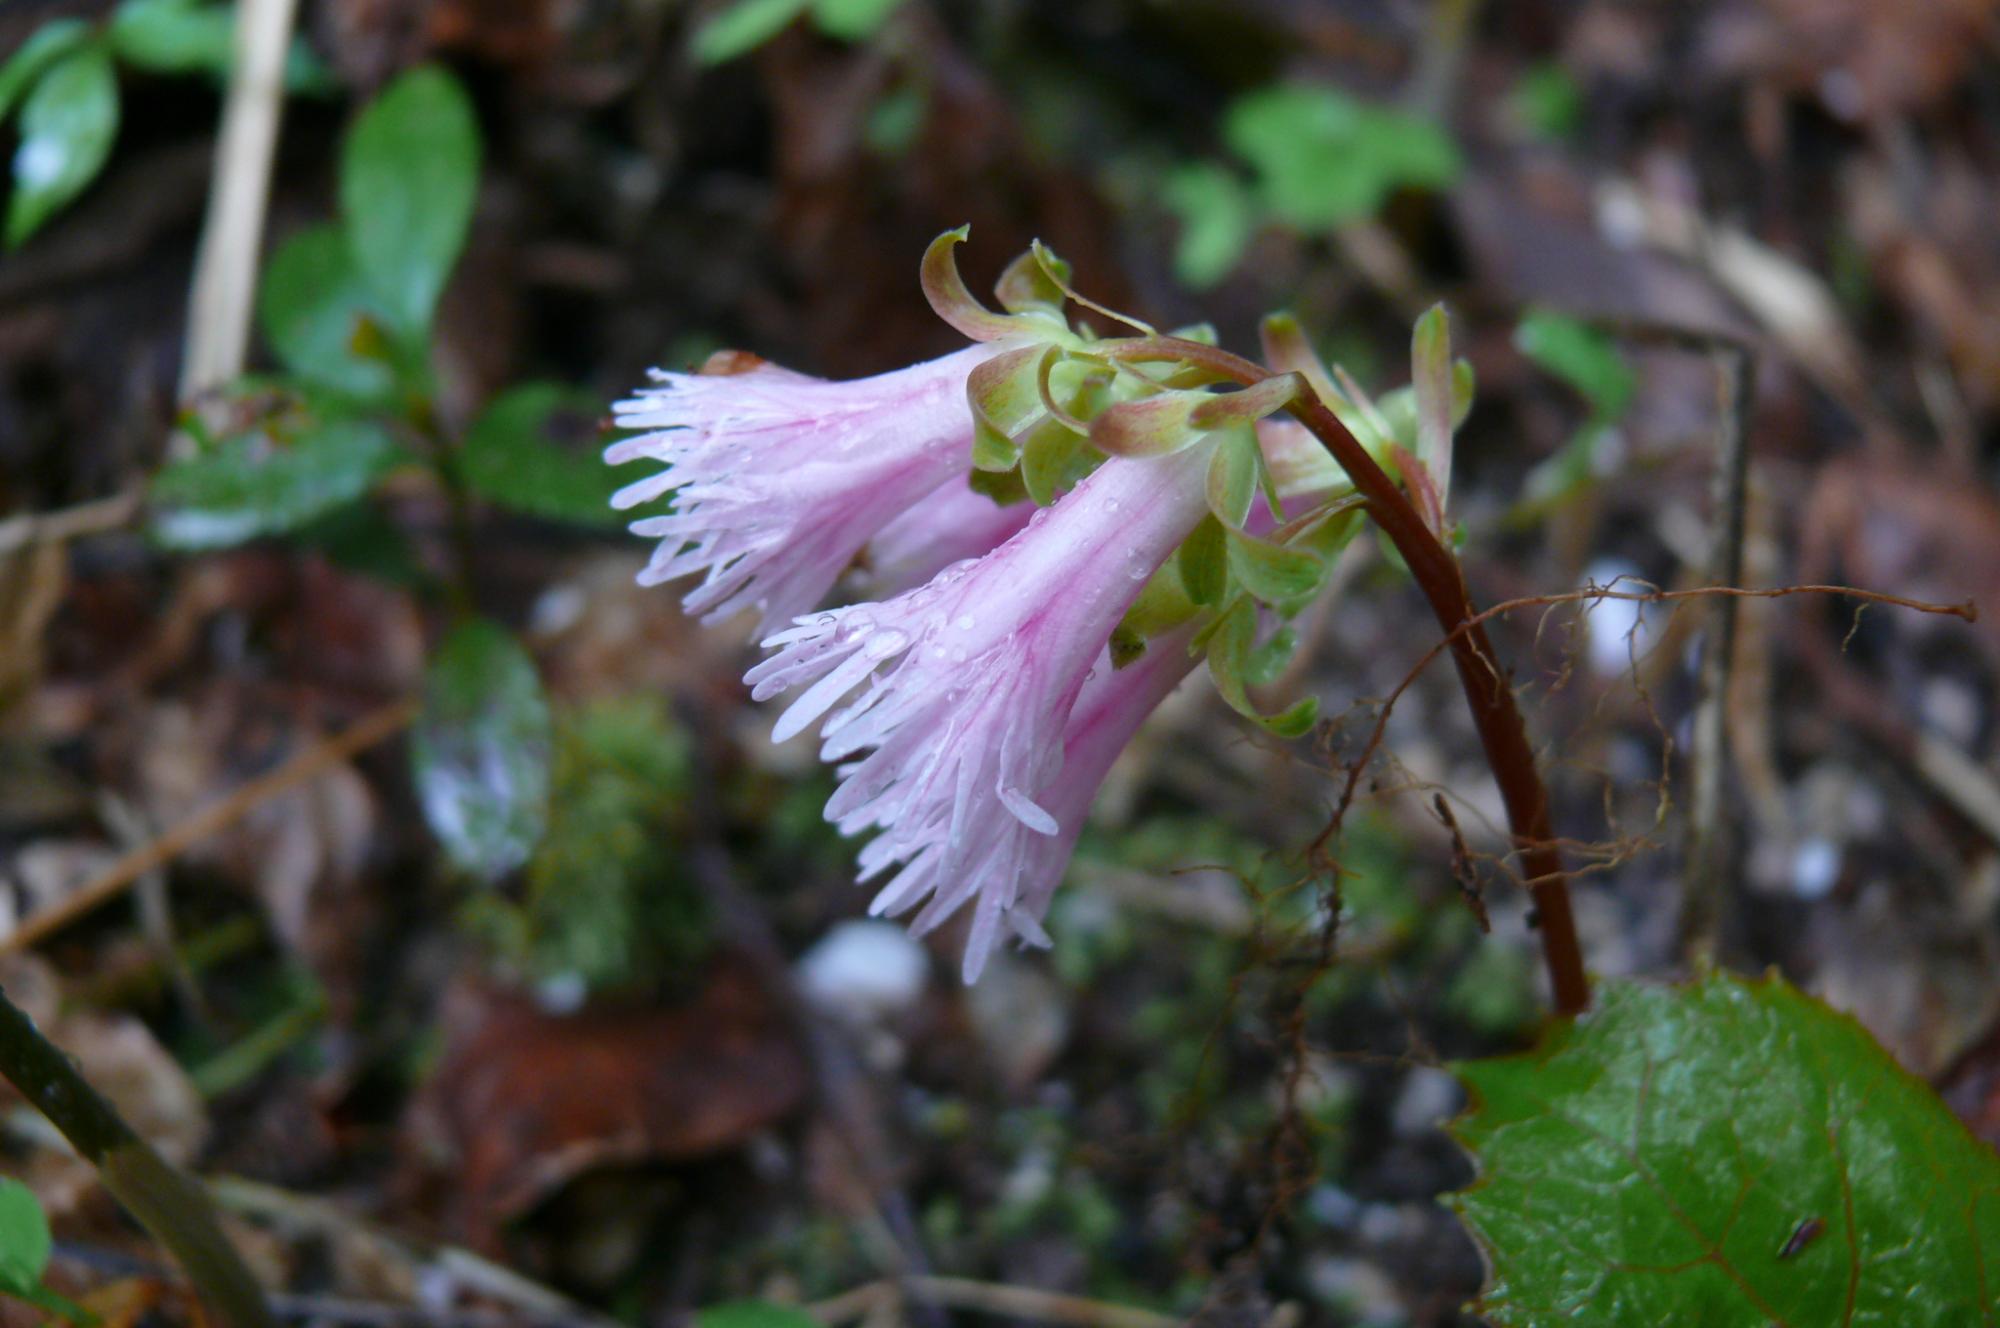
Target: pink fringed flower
{"type": "Point", "coordinates": [956, 743]}
{"type": "Point", "coordinates": [779, 479]}
{"type": "Point", "coordinates": [951, 525]}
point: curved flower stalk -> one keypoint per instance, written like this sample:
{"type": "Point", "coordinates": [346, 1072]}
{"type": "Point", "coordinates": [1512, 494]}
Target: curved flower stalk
{"type": "Point", "coordinates": [779, 479]}
{"type": "Point", "coordinates": [967, 684]}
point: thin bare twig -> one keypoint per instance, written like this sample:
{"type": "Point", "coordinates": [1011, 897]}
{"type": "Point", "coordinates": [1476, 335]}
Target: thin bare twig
{"type": "Point", "coordinates": [1704, 889]}
{"type": "Point", "coordinates": [225, 272]}
{"type": "Point", "coordinates": [987, 1298]}
{"type": "Point", "coordinates": [114, 880]}
{"type": "Point", "coordinates": [91, 518]}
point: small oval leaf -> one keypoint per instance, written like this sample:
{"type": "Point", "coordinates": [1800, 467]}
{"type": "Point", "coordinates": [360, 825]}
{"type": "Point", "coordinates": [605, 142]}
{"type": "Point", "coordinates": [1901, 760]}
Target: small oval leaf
{"type": "Point", "coordinates": [481, 750]}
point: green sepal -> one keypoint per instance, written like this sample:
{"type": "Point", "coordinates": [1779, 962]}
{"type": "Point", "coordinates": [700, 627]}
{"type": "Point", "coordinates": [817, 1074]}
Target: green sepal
{"type": "Point", "coordinates": [1268, 661]}
{"type": "Point", "coordinates": [1251, 404]}
{"type": "Point", "coordinates": [1004, 487]}
{"type": "Point", "coordinates": [1162, 606]}
{"type": "Point", "coordinates": [1148, 427]}
{"type": "Point", "coordinates": [1232, 647]}
{"type": "Point", "coordinates": [1232, 476]}
{"type": "Point", "coordinates": [1276, 574]}
{"type": "Point", "coordinates": [1054, 459]}
{"type": "Point", "coordinates": [992, 451]}
{"type": "Point", "coordinates": [1028, 285]}
{"type": "Point", "coordinates": [1203, 561]}
{"type": "Point", "coordinates": [951, 301]}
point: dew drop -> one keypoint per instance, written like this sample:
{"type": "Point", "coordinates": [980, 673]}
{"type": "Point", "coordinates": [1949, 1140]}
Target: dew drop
{"type": "Point", "coordinates": [884, 644]}
{"type": "Point", "coordinates": [966, 622]}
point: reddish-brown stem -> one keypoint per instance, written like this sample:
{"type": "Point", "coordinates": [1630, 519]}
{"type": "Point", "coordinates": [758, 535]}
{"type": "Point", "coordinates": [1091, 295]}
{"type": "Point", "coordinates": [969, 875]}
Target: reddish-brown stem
{"type": "Point", "coordinates": [1487, 690]}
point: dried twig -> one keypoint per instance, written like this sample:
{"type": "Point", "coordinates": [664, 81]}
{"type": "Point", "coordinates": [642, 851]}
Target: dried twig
{"type": "Point", "coordinates": [987, 1298]}
{"type": "Point", "coordinates": [1708, 866]}
{"type": "Point", "coordinates": [372, 728]}
{"type": "Point", "coordinates": [225, 272]}
{"type": "Point", "coordinates": [91, 518]}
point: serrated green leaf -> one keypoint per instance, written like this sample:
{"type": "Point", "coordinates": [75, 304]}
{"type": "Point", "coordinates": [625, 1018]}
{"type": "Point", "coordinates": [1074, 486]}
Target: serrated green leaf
{"type": "Point", "coordinates": [852, 20]}
{"type": "Point", "coordinates": [742, 28]}
{"type": "Point", "coordinates": [68, 123]}
{"type": "Point", "coordinates": [1730, 1152]}
{"type": "Point", "coordinates": [1323, 158]}
{"type": "Point", "coordinates": [1203, 561]}
{"type": "Point", "coordinates": [409, 175]}
{"type": "Point", "coordinates": [1216, 219]}
{"type": "Point", "coordinates": [25, 1243]}
{"type": "Point", "coordinates": [50, 43]}
{"type": "Point", "coordinates": [753, 1314]}
{"type": "Point", "coordinates": [481, 750]}
{"type": "Point", "coordinates": [1274, 573]}
{"type": "Point", "coordinates": [312, 304]}
{"type": "Point", "coordinates": [1581, 356]}
{"type": "Point", "coordinates": [510, 457]}
{"type": "Point", "coordinates": [251, 486]}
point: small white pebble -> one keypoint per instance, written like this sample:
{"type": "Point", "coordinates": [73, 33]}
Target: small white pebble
{"type": "Point", "coordinates": [865, 970]}
{"type": "Point", "coordinates": [1815, 868]}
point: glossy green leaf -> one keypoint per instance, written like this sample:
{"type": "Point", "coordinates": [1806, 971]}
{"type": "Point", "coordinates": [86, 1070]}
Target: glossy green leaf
{"type": "Point", "coordinates": [1730, 1152]}
{"type": "Point", "coordinates": [852, 20]}
{"type": "Point", "coordinates": [312, 305]}
{"type": "Point", "coordinates": [481, 750]}
{"type": "Point", "coordinates": [1216, 219]}
{"type": "Point", "coordinates": [1204, 562]}
{"type": "Point", "coordinates": [742, 28]}
{"type": "Point", "coordinates": [753, 1314]}
{"type": "Point", "coordinates": [409, 175]}
{"type": "Point", "coordinates": [1274, 573]}
{"type": "Point", "coordinates": [188, 37]}
{"type": "Point", "coordinates": [25, 1243]}
{"type": "Point", "coordinates": [252, 486]}
{"type": "Point", "coordinates": [1323, 158]}
{"type": "Point", "coordinates": [49, 43]}
{"type": "Point", "coordinates": [510, 457]}
{"type": "Point", "coordinates": [1581, 356]}
{"type": "Point", "coordinates": [68, 123]}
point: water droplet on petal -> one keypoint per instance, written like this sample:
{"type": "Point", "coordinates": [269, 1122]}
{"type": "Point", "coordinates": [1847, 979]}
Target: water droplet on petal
{"type": "Point", "coordinates": [884, 644]}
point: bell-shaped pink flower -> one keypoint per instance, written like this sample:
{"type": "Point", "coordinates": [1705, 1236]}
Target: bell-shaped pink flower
{"type": "Point", "coordinates": [779, 479]}
{"type": "Point", "coordinates": [955, 745]}
{"type": "Point", "coordinates": [953, 524]}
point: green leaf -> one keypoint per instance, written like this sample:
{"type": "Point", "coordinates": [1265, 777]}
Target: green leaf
{"type": "Point", "coordinates": [50, 43]}
{"type": "Point", "coordinates": [67, 126]}
{"type": "Point", "coordinates": [24, 1239]}
{"type": "Point", "coordinates": [252, 486]}
{"type": "Point", "coordinates": [852, 20]}
{"type": "Point", "coordinates": [1274, 573]}
{"type": "Point", "coordinates": [408, 178]}
{"type": "Point", "coordinates": [1547, 101]}
{"type": "Point", "coordinates": [742, 28]}
{"type": "Point", "coordinates": [312, 305]}
{"type": "Point", "coordinates": [1323, 158]}
{"type": "Point", "coordinates": [1581, 356]}
{"type": "Point", "coordinates": [174, 36]}
{"type": "Point", "coordinates": [1216, 221]}
{"type": "Point", "coordinates": [510, 457]}
{"type": "Point", "coordinates": [481, 750]}
{"type": "Point", "coordinates": [1203, 561]}
{"type": "Point", "coordinates": [1730, 1152]}
{"type": "Point", "coordinates": [753, 1314]}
